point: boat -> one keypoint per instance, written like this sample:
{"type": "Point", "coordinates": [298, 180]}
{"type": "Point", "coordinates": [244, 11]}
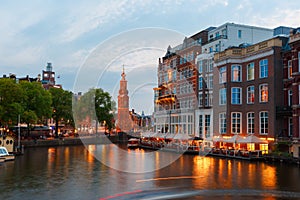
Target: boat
{"type": "Point", "coordinates": [133, 143]}
{"type": "Point", "coordinates": [5, 155]}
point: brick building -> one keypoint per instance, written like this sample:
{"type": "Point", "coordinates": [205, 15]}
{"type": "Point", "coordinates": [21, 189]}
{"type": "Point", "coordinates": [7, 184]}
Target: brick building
{"type": "Point", "coordinates": [291, 114]}
{"type": "Point", "coordinates": [248, 86]}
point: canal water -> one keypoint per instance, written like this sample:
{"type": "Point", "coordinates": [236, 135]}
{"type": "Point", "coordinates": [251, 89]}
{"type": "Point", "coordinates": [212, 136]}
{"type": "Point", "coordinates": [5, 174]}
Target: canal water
{"type": "Point", "coordinates": [73, 172]}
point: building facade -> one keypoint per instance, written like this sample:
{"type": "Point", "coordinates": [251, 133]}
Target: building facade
{"type": "Point", "coordinates": [291, 111]}
{"type": "Point", "coordinates": [248, 88]}
{"type": "Point", "coordinates": [219, 39]}
{"type": "Point", "coordinates": [48, 77]}
{"type": "Point", "coordinates": [176, 95]}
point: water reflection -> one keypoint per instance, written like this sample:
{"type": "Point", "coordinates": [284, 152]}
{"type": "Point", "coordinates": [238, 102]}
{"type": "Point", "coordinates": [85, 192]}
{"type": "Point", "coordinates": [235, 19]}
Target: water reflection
{"type": "Point", "coordinates": [74, 173]}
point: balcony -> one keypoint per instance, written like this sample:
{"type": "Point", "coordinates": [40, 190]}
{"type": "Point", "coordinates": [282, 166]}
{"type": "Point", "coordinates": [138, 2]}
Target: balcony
{"type": "Point", "coordinates": [284, 111]}
{"type": "Point", "coordinates": [166, 99]}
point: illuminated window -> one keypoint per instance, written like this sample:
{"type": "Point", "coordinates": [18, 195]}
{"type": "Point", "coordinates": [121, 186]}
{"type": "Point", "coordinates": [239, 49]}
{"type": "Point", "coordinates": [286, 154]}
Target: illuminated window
{"type": "Point", "coordinates": [250, 94]}
{"type": "Point", "coordinates": [222, 77]}
{"type": "Point", "coordinates": [251, 147]}
{"type": "Point", "coordinates": [250, 123]}
{"type": "Point", "coordinates": [263, 93]}
{"type": "Point", "coordinates": [263, 148]}
{"type": "Point", "coordinates": [290, 69]}
{"type": "Point", "coordinates": [236, 95]}
{"type": "Point", "coordinates": [263, 123]}
{"type": "Point", "coordinates": [250, 71]}
{"type": "Point", "coordinates": [236, 74]}
{"type": "Point", "coordinates": [263, 68]}
{"type": "Point", "coordinates": [222, 123]}
{"type": "Point", "coordinates": [222, 96]}
{"type": "Point", "coordinates": [236, 125]}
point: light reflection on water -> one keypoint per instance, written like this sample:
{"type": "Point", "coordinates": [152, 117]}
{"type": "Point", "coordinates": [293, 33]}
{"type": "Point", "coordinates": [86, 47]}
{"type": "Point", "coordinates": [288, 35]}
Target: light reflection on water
{"type": "Point", "coordinates": [74, 173]}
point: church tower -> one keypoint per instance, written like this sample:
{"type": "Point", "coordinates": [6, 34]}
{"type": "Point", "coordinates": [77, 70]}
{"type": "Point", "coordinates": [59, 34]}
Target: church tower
{"type": "Point", "coordinates": [124, 121]}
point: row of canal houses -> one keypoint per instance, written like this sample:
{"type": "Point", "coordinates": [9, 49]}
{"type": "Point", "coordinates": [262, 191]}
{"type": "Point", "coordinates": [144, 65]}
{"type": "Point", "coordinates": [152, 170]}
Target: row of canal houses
{"type": "Point", "coordinates": [232, 80]}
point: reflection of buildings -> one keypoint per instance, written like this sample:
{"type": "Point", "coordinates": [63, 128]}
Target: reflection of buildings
{"type": "Point", "coordinates": [124, 122]}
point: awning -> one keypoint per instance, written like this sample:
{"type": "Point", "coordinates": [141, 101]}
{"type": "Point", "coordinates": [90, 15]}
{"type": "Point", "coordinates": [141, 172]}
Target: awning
{"type": "Point", "coordinates": [253, 139]}
{"type": "Point", "coordinates": [179, 136]}
{"type": "Point", "coordinates": [233, 139]}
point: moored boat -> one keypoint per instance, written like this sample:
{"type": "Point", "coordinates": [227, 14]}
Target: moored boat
{"type": "Point", "coordinates": [5, 155]}
{"type": "Point", "coordinates": [133, 143]}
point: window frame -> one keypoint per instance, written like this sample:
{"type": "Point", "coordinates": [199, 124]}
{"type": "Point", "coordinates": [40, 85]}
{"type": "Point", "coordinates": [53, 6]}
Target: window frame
{"type": "Point", "coordinates": [263, 68]}
{"type": "Point", "coordinates": [222, 75]}
{"type": "Point", "coordinates": [239, 71]}
{"type": "Point", "coordinates": [240, 96]}
{"type": "Point", "coordinates": [263, 124]}
{"type": "Point", "coordinates": [222, 123]}
{"type": "Point", "coordinates": [224, 102]}
{"type": "Point", "coordinates": [250, 124]}
{"type": "Point", "coordinates": [248, 94]}
{"type": "Point", "coordinates": [238, 124]}
{"type": "Point", "coordinates": [260, 93]}
{"type": "Point", "coordinates": [251, 65]}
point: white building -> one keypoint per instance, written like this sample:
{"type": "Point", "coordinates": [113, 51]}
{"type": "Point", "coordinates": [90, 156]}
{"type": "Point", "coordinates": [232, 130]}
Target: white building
{"type": "Point", "coordinates": [219, 39]}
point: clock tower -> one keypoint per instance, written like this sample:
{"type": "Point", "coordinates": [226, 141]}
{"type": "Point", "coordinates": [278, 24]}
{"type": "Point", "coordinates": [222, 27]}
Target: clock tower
{"type": "Point", "coordinates": [124, 122]}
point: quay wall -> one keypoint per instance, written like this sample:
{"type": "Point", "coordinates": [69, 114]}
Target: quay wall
{"type": "Point", "coordinates": [69, 141]}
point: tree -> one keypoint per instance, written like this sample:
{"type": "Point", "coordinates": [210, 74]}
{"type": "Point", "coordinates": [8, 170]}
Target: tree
{"type": "Point", "coordinates": [61, 107]}
{"type": "Point", "coordinates": [104, 107]}
{"type": "Point", "coordinates": [11, 101]}
{"type": "Point", "coordinates": [38, 100]}
{"type": "Point", "coordinates": [95, 105]}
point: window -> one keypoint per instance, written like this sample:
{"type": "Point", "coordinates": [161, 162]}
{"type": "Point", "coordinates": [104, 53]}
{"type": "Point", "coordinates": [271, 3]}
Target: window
{"type": "Point", "coordinates": [290, 126]}
{"type": "Point", "coordinates": [45, 75]}
{"type": "Point", "coordinates": [224, 32]}
{"type": "Point", "coordinates": [200, 99]}
{"type": "Point", "coordinates": [222, 123]}
{"type": "Point", "coordinates": [290, 97]}
{"type": "Point", "coordinates": [263, 93]}
{"type": "Point", "coordinates": [200, 126]}
{"type": "Point", "coordinates": [299, 96]}
{"type": "Point", "coordinates": [222, 77]}
{"type": "Point", "coordinates": [290, 69]}
{"type": "Point", "coordinates": [217, 47]}
{"type": "Point", "coordinates": [236, 75]}
{"type": "Point", "coordinates": [210, 81]}
{"type": "Point", "coordinates": [263, 122]}
{"type": "Point", "coordinates": [174, 75]}
{"type": "Point", "coordinates": [236, 123]}
{"type": "Point", "coordinates": [210, 65]}
{"type": "Point", "coordinates": [239, 33]}
{"type": "Point", "coordinates": [250, 123]}
{"type": "Point", "coordinates": [207, 126]}
{"type": "Point", "coordinates": [250, 71]}
{"type": "Point", "coordinates": [222, 96]}
{"type": "Point", "coordinates": [250, 94]}
{"type": "Point", "coordinates": [200, 83]}
{"type": "Point", "coordinates": [236, 95]}
{"type": "Point", "coordinates": [263, 68]}
{"type": "Point", "coordinates": [210, 49]}
{"type": "Point", "coordinates": [200, 67]}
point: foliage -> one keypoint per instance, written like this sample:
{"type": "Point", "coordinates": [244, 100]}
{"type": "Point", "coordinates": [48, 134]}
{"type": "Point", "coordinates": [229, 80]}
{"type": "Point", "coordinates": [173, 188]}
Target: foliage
{"type": "Point", "coordinates": [95, 104]}
{"type": "Point", "coordinates": [11, 101]}
{"type": "Point", "coordinates": [61, 107]}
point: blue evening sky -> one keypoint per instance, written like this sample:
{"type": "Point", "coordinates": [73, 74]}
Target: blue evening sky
{"type": "Point", "coordinates": [65, 33]}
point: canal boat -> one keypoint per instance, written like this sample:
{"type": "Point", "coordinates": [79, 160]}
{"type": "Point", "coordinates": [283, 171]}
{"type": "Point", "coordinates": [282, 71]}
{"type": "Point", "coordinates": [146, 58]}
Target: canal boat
{"type": "Point", "coordinates": [5, 155]}
{"type": "Point", "coordinates": [133, 143]}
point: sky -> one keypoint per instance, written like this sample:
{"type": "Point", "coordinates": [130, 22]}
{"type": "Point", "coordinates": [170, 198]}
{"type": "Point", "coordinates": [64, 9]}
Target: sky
{"type": "Point", "coordinates": [87, 42]}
